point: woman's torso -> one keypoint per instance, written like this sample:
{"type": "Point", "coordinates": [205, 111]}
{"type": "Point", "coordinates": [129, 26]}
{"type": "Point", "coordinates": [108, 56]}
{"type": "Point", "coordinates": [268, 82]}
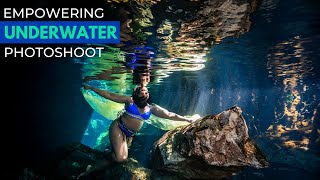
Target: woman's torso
{"type": "Point", "coordinates": [133, 123]}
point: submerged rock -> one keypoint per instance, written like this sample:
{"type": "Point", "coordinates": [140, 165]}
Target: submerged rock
{"type": "Point", "coordinates": [71, 160]}
{"type": "Point", "coordinates": [215, 146]}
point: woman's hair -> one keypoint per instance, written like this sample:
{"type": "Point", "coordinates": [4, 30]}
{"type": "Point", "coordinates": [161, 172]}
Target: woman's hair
{"type": "Point", "coordinates": [142, 101]}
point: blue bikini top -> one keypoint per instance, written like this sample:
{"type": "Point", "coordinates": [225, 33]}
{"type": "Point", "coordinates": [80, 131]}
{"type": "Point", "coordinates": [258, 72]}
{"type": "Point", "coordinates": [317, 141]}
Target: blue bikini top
{"type": "Point", "coordinates": [132, 110]}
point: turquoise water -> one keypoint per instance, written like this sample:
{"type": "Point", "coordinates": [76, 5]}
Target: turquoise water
{"type": "Point", "coordinates": [271, 72]}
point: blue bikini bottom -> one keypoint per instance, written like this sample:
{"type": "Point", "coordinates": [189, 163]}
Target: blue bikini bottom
{"type": "Point", "coordinates": [125, 130]}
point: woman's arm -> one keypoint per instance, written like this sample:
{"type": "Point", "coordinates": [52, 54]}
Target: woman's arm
{"type": "Point", "coordinates": [163, 113]}
{"type": "Point", "coordinates": [109, 95]}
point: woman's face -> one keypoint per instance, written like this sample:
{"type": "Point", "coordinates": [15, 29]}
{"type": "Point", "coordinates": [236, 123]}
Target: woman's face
{"type": "Point", "coordinates": [144, 92]}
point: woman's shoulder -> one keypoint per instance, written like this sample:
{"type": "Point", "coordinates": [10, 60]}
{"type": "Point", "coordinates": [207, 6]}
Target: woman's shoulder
{"type": "Point", "coordinates": [153, 106]}
{"type": "Point", "coordinates": [129, 101]}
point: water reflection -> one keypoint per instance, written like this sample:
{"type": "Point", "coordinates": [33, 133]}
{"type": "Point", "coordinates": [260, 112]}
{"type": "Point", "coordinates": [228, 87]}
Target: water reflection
{"type": "Point", "coordinates": [106, 69]}
{"type": "Point", "coordinates": [187, 29]}
{"type": "Point", "coordinates": [140, 62]}
{"type": "Point", "coordinates": [195, 27]}
{"type": "Point", "coordinates": [289, 65]}
{"type": "Point", "coordinates": [137, 20]}
{"type": "Point", "coordinates": [267, 7]}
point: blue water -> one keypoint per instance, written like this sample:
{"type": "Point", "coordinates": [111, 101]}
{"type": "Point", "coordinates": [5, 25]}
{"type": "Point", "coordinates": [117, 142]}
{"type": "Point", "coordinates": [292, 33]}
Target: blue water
{"type": "Point", "coordinates": [271, 72]}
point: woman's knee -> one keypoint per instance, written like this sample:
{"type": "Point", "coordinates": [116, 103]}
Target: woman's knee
{"type": "Point", "coordinates": [120, 159]}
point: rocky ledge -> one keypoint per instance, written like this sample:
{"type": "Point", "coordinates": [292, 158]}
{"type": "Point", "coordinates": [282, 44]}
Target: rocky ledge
{"type": "Point", "coordinates": [215, 146]}
{"type": "Point", "coordinates": [71, 160]}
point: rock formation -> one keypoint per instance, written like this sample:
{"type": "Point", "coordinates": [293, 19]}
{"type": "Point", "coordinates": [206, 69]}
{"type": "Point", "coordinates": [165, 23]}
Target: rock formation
{"type": "Point", "coordinates": [71, 160]}
{"type": "Point", "coordinates": [214, 146]}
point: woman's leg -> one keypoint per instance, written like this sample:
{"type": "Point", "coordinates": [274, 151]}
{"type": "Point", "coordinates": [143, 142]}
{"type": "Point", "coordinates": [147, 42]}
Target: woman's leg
{"type": "Point", "coordinates": [119, 150]}
{"type": "Point", "coordinates": [118, 142]}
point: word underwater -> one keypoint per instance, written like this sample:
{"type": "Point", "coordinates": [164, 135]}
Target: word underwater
{"type": "Point", "coordinates": [59, 32]}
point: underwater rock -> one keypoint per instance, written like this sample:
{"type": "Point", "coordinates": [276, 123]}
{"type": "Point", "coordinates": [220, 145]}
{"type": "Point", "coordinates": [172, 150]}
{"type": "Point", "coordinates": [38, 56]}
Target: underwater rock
{"type": "Point", "coordinates": [214, 146]}
{"type": "Point", "coordinates": [71, 160]}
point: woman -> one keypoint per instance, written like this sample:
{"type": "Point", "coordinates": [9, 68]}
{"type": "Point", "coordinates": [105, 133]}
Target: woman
{"type": "Point", "coordinates": [123, 129]}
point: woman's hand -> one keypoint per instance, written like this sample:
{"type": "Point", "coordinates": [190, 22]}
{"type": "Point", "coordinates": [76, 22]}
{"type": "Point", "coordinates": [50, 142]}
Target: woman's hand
{"type": "Point", "coordinates": [193, 118]}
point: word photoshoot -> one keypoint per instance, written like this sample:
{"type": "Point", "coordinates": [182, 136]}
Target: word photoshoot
{"type": "Point", "coordinates": [49, 52]}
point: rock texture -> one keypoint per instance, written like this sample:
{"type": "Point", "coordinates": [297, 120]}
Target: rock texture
{"type": "Point", "coordinates": [213, 146]}
{"type": "Point", "coordinates": [69, 161]}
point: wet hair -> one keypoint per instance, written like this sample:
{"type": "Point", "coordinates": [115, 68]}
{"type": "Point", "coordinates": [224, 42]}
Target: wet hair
{"type": "Point", "coordinates": [142, 101]}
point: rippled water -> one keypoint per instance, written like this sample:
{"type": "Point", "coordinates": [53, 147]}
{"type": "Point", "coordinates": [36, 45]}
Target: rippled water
{"type": "Point", "coordinates": [271, 70]}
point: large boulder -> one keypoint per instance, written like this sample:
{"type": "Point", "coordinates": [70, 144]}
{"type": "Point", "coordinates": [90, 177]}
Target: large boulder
{"type": "Point", "coordinates": [215, 146]}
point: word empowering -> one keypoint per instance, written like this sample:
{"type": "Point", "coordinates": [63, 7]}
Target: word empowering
{"type": "Point", "coordinates": [63, 13]}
